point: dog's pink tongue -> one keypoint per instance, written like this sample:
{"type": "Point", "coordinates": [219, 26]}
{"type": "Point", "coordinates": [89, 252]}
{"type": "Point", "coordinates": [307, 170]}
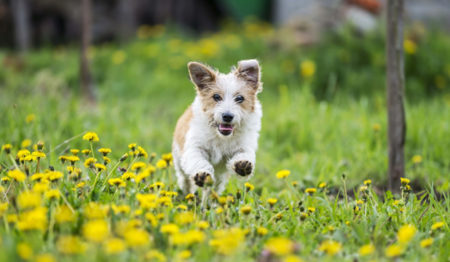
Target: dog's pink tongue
{"type": "Point", "coordinates": [225, 127]}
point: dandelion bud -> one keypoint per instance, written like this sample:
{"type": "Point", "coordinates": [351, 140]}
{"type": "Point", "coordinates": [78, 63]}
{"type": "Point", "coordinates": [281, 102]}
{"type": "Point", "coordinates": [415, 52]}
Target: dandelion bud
{"type": "Point", "coordinates": [343, 176]}
{"type": "Point", "coordinates": [40, 145]}
{"type": "Point", "coordinates": [238, 195]}
{"type": "Point", "coordinates": [246, 210]}
{"type": "Point", "coordinates": [303, 216]}
{"type": "Point", "coordinates": [208, 181]}
{"type": "Point", "coordinates": [124, 157]}
{"type": "Point", "coordinates": [7, 148]}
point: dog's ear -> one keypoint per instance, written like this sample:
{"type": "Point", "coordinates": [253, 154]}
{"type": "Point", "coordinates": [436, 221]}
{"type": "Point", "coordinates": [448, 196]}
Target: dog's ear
{"type": "Point", "coordinates": [249, 71]}
{"type": "Point", "coordinates": [201, 75]}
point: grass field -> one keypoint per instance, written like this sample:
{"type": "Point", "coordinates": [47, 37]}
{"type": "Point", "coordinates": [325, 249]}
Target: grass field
{"type": "Point", "coordinates": [324, 121]}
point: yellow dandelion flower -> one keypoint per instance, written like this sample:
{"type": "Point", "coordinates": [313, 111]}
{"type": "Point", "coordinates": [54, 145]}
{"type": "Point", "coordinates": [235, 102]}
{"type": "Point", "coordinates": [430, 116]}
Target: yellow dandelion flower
{"type": "Point", "coordinates": [96, 230]}
{"type": "Point", "coordinates": [74, 151]}
{"type": "Point", "coordinates": [409, 46]}
{"type": "Point", "coordinates": [366, 250]}
{"type": "Point", "coordinates": [17, 175]}
{"type": "Point", "coordinates": [24, 251]}
{"type": "Point", "coordinates": [203, 224]}
{"type": "Point", "coordinates": [161, 164]}
{"type": "Point", "coordinates": [262, 231]}
{"type": "Point", "coordinates": [7, 148]}
{"type": "Point", "coordinates": [367, 182]}
{"type": "Point", "coordinates": [54, 175]}
{"type": "Point", "coordinates": [70, 245]}
{"type": "Point", "coordinates": [376, 127]}
{"type": "Point", "coordinates": [246, 210]}
{"type": "Point", "coordinates": [227, 241]}
{"type": "Point", "coordinates": [25, 143]}
{"type": "Point", "coordinates": [136, 238]}
{"type": "Point", "coordinates": [417, 159]}
{"type": "Point", "coordinates": [406, 233]}
{"type": "Point", "coordinates": [280, 246]}
{"type": "Point", "coordinates": [91, 137]}
{"type": "Point", "coordinates": [283, 173]}
{"type": "Point", "coordinates": [311, 209]}
{"type": "Point", "coordinates": [292, 258]}
{"type": "Point", "coordinates": [307, 69]}
{"type": "Point", "coordinates": [219, 210]}
{"type": "Point", "coordinates": [35, 219]}
{"type": "Point", "coordinates": [272, 201]}
{"type": "Point", "coordinates": [188, 238]}
{"type": "Point", "coordinates": [128, 176]}
{"type": "Point", "coordinates": [114, 246]}
{"type": "Point", "coordinates": [404, 181]}
{"type": "Point", "coordinates": [63, 214]}
{"type": "Point", "coordinates": [100, 167]}
{"type": "Point", "coordinates": [95, 211]}
{"type": "Point", "coordinates": [53, 194]}
{"type": "Point", "coordinates": [29, 199]}
{"type": "Point", "coordinates": [322, 185]}
{"type": "Point", "coordinates": [437, 225]}
{"type": "Point", "coordinates": [86, 151]}
{"type": "Point", "coordinates": [185, 254]}
{"type": "Point", "coordinates": [167, 157]}
{"type": "Point", "coordinates": [184, 218]}
{"type": "Point", "coordinates": [45, 258]}
{"type": "Point", "coordinates": [426, 242]}
{"type": "Point", "coordinates": [248, 186]}
{"type": "Point", "coordinates": [117, 182]}
{"type": "Point", "coordinates": [38, 154]}
{"type": "Point", "coordinates": [155, 255]}
{"type": "Point", "coordinates": [3, 208]}
{"type": "Point", "coordinates": [169, 229]}
{"type": "Point", "coordinates": [30, 118]}
{"type": "Point", "coordinates": [90, 162]}
{"type": "Point", "coordinates": [120, 209]}
{"type": "Point", "coordinates": [310, 190]}
{"type": "Point", "coordinates": [104, 151]}
{"type": "Point", "coordinates": [394, 250]}
{"type": "Point", "coordinates": [190, 196]}
{"type": "Point", "coordinates": [330, 247]}
{"type": "Point", "coordinates": [138, 165]}
{"type": "Point", "coordinates": [118, 57]}
{"type": "Point", "coordinates": [182, 207]}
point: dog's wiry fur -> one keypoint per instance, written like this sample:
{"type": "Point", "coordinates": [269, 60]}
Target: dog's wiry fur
{"type": "Point", "coordinates": [203, 145]}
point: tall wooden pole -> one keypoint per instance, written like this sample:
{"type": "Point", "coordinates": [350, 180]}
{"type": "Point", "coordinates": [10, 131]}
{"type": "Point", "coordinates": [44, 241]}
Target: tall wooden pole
{"type": "Point", "coordinates": [85, 73]}
{"type": "Point", "coordinates": [21, 15]}
{"type": "Point", "coordinates": [395, 93]}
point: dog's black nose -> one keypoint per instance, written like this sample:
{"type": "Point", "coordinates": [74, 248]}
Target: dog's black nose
{"type": "Point", "coordinates": [227, 117]}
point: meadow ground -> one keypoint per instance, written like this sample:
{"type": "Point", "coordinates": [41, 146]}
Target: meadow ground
{"type": "Point", "coordinates": [324, 121]}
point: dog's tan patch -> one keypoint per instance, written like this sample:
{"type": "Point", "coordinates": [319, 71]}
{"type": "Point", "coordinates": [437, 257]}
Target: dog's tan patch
{"type": "Point", "coordinates": [206, 96]}
{"type": "Point", "coordinates": [249, 94]}
{"type": "Point", "coordinates": [182, 128]}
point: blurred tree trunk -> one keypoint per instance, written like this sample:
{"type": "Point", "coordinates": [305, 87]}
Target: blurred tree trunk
{"type": "Point", "coordinates": [395, 93]}
{"type": "Point", "coordinates": [127, 19]}
{"type": "Point", "coordinates": [85, 73]}
{"type": "Point", "coordinates": [21, 13]}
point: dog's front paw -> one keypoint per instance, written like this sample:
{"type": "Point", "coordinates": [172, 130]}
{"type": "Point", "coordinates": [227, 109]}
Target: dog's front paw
{"type": "Point", "coordinates": [202, 178]}
{"type": "Point", "coordinates": [243, 167]}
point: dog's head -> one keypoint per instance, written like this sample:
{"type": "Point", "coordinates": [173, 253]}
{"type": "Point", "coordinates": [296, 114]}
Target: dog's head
{"type": "Point", "coordinates": [227, 99]}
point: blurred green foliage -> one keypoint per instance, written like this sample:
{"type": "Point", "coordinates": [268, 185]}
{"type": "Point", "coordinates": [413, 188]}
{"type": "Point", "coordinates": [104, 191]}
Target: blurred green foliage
{"type": "Point", "coordinates": [324, 105]}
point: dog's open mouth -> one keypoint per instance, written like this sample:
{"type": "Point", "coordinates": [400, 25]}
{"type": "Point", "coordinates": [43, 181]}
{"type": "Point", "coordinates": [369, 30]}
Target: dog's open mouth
{"type": "Point", "coordinates": [225, 129]}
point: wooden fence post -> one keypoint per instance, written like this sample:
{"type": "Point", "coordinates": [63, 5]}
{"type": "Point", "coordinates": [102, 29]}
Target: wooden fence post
{"type": "Point", "coordinates": [85, 73]}
{"type": "Point", "coordinates": [395, 93]}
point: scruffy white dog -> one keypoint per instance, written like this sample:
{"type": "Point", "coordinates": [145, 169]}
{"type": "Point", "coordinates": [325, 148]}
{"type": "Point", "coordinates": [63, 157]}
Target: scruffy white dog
{"type": "Point", "coordinates": [218, 134]}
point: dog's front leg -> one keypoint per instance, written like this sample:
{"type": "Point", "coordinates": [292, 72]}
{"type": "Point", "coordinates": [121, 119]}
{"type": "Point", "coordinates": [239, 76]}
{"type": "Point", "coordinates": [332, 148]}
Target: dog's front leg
{"type": "Point", "coordinates": [242, 163]}
{"type": "Point", "coordinates": [194, 163]}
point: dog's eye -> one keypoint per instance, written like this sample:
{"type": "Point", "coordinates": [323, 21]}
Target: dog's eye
{"type": "Point", "coordinates": [217, 97]}
{"type": "Point", "coordinates": [239, 99]}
